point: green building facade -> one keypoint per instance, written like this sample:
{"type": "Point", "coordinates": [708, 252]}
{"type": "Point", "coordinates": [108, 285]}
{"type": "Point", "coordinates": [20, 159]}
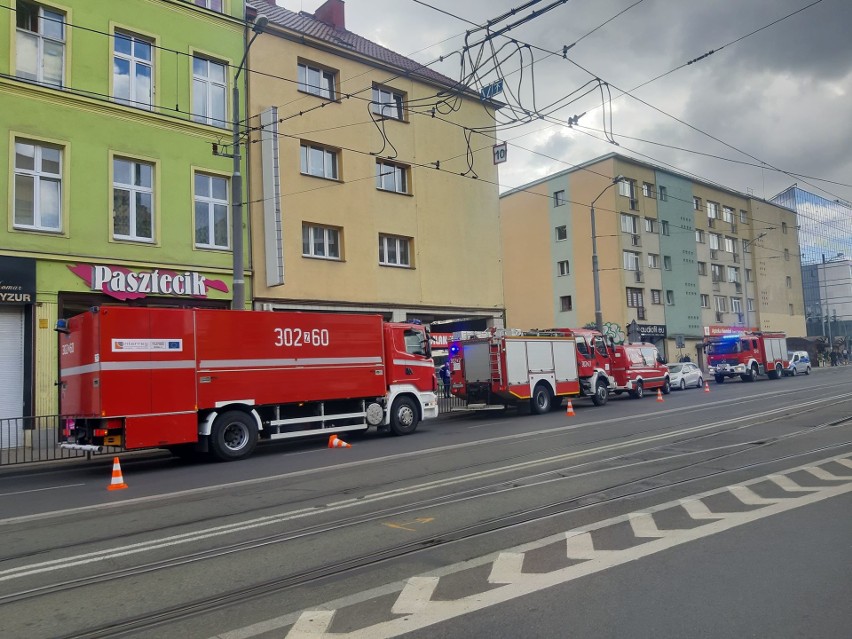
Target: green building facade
{"type": "Point", "coordinates": [110, 190]}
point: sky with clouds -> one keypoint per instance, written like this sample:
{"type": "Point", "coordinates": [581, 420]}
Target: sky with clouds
{"type": "Point", "coordinates": [771, 106]}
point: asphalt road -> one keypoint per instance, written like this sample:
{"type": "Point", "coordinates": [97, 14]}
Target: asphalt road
{"type": "Point", "coordinates": [720, 514]}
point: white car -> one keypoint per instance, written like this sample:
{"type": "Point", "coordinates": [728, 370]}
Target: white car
{"type": "Point", "coordinates": [685, 374]}
{"type": "Point", "coordinates": [800, 362]}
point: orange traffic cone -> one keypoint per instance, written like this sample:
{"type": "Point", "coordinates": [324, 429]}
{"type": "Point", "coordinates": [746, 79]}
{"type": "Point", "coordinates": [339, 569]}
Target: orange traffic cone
{"type": "Point", "coordinates": [570, 410]}
{"type": "Point", "coordinates": [660, 396]}
{"type": "Point", "coordinates": [706, 387]}
{"type": "Point", "coordinates": [117, 482]}
{"type": "Point", "coordinates": [335, 442]}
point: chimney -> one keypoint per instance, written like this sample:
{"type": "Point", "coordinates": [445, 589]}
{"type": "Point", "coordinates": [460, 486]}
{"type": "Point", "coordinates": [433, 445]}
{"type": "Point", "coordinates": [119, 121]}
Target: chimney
{"type": "Point", "coordinates": [332, 13]}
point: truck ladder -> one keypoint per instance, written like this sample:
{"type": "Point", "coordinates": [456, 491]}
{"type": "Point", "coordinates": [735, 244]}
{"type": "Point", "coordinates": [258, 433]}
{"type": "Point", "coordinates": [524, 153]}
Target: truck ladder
{"type": "Point", "coordinates": [494, 357]}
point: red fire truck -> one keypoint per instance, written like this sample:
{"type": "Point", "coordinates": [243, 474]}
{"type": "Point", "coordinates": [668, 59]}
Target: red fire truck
{"type": "Point", "coordinates": [217, 381]}
{"type": "Point", "coordinates": [746, 355]}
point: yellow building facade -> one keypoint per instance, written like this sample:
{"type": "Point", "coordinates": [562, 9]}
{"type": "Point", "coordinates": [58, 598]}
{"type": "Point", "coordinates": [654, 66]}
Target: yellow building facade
{"type": "Point", "coordinates": [372, 185]}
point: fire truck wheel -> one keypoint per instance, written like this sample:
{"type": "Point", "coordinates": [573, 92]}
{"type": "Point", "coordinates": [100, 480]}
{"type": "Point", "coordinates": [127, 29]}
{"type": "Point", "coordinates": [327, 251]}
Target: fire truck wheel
{"type": "Point", "coordinates": [667, 387]}
{"type": "Point", "coordinates": [751, 375]}
{"type": "Point", "coordinates": [541, 399]}
{"type": "Point", "coordinates": [639, 391]}
{"type": "Point", "coordinates": [234, 436]}
{"type": "Point", "coordinates": [403, 416]}
{"type": "Point", "coordinates": [601, 394]}
{"type": "Point", "coordinates": [719, 379]}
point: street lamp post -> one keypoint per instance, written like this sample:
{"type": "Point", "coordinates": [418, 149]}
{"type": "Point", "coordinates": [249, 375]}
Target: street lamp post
{"type": "Point", "coordinates": [595, 273]}
{"type": "Point", "coordinates": [747, 246]}
{"type": "Point", "coordinates": [239, 284]}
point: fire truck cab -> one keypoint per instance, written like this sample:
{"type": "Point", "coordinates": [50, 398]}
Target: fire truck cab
{"type": "Point", "coordinates": [746, 355]}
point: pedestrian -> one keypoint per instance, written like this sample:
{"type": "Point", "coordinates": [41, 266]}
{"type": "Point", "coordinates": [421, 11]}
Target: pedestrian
{"type": "Point", "coordinates": [444, 372]}
{"type": "Point", "coordinates": [833, 357]}
{"type": "Point", "coordinates": [845, 357]}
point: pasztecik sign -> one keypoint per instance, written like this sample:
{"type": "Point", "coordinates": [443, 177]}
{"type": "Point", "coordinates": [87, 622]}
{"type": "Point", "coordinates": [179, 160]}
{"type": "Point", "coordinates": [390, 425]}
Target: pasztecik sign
{"type": "Point", "coordinates": [125, 284]}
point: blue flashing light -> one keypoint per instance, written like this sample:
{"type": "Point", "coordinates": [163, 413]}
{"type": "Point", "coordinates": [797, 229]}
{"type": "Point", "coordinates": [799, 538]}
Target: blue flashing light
{"type": "Point", "coordinates": [731, 337]}
{"type": "Point", "coordinates": [454, 349]}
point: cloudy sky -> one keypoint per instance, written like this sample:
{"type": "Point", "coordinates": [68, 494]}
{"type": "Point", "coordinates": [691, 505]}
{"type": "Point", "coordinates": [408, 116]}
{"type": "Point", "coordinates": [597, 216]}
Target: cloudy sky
{"type": "Point", "coordinates": [772, 106]}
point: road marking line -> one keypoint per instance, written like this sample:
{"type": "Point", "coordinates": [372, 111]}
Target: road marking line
{"type": "Point", "coordinates": [845, 462]}
{"type": "Point", "coordinates": [789, 485]}
{"type": "Point", "coordinates": [580, 545]}
{"type": "Point", "coordinates": [415, 595]}
{"type": "Point", "coordinates": [697, 509]}
{"type": "Point", "coordinates": [312, 624]}
{"type": "Point", "coordinates": [507, 568]}
{"type": "Point", "coordinates": [38, 490]}
{"type": "Point", "coordinates": [643, 525]}
{"type": "Point", "coordinates": [821, 473]}
{"type": "Point", "coordinates": [751, 498]}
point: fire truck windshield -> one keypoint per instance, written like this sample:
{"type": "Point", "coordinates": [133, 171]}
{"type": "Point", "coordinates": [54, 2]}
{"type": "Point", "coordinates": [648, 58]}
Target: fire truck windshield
{"type": "Point", "coordinates": [723, 347]}
{"type": "Point", "coordinates": [416, 343]}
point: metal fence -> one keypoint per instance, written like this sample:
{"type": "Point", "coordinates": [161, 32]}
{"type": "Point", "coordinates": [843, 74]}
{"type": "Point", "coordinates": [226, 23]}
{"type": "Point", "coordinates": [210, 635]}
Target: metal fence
{"type": "Point", "coordinates": [32, 439]}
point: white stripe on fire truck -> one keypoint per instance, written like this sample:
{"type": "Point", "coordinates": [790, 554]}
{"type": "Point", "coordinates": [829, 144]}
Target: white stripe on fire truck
{"type": "Point", "coordinates": [307, 361]}
{"type": "Point", "coordinates": [126, 366]}
{"type": "Point", "coordinates": [413, 362]}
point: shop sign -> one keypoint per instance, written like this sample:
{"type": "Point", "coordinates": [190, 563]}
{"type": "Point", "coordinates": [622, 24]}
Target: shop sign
{"type": "Point", "coordinates": [717, 329]}
{"type": "Point", "coordinates": [652, 330]}
{"type": "Point", "coordinates": [126, 284]}
{"type": "Point", "coordinates": [17, 280]}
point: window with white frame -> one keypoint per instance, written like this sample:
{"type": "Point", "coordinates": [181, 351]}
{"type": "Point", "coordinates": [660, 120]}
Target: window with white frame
{"type": "Point", "coordinates": [733, 274]}
{"type": "Point", "coordinates": [563, 268]}
{"type": "Point", "coordinates": [318, 161]}
{"type": "Point", "coordinates": [626, 188]}
{"type": "Point", "coordinates": [132, 200]}
{"type": "Point", "coordinates": [648, 190]}
{"type": "Point", "coordinates": [696, 203]}
{"type": "Point", "coordinates": [729, 244]}
{"type": "Point", "coordinates": [317, 81]}
{"type": "Point", "coordinates": [212, 221]}
{"type": "Point", "coordinates": [321, 241]}
{"type": "Point", "coordinates": [699, 236]}
{"type": "Point", "coordinates": [391, 177]}
{"type": "Point", "coordinates": [721, 303]}
{"type": "Point", "coordinates": [559, 198]}
{"type": "Point", "coordinates": [209, 91]}
{"type": "Point", "coordinates": [635, 297]}
{"type": "Point", "coordinates": [743, 217]}
{"type": "Point", "coordinates": [705, 300]}
{"type": "Point", "coordinates": [664, 227]}
{"type": "Point", "coordinates": [750, 304]}
{"type": "Point", "coordinates": [213, 5]}
{"type": "Point", "coordinates": [728, 214]}
{"type": "Point", "coordinates": [653, 260]}
{"type": "Point", "coordinates": [629, 223]}
{"type": "Point", "coordinates": [667, 262]}
{"type": "Point", "coordinates": [394, 250]}
{"type": "Point", "coordinates": [656, 296]}
{"type": "Point", "coordinates": [650, 225]}
{"type": "Point", "coordinates": [132, 70]}
{"type": "Point", "coordinates": [702, 268]}
{"type": "Point", "coordinates": [736, 305]}
{"type": "Point", "coordinates": [566, 303]}
{"type": "Point", "coordinates": [716, 272]}
{"type": "Point", "coordinates": [561, 233]}
{"type": "Point", "coordinates": [670, 298]}
{"type": "Point", "coordinates": [39, 43]}
{"type": "Point", "coordinates": [388, 103]}
{"type": "Point", "coordinates": [714, 241]}
{"type": "Point", "coordinates": [746, 246]}
{"type": "Point", "coordinates": [631, 261]}
{"type": "Point", "coordinates": [712, 210]}
{"type": "Point", "coordinates": [38, 187]}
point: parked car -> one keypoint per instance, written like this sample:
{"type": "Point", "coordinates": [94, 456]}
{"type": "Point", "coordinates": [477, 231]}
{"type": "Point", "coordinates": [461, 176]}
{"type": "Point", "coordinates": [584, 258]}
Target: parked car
{"type": "Point", "coordinates": [800, 362]}
{"type": "Point", "coordinates": [686, 374]}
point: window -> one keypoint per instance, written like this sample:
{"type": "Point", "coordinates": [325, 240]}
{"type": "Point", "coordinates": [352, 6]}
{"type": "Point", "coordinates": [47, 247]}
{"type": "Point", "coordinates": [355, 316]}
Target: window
{"type": "Point", "coordinates": [728, 214]}
{"type": "Point", "coordinates": [714, 241]}
{"type": "Point", "coordinates": [746, 246]}
{"type": "Point", "coordinates": [664, 227]}
{"type": "Point", "coordinates": [664, 194]}
{"type": "Point", "coordinates": [626, 188]}
{"type": "Point", "coordinates": [317, 81]}
{"type": "Point", "coordinates": [696, 203]}
{"type": "Point", "coordinates": [387, 103]}
{"type": "Point", "coordinates": [213, 5]}
{"type": "Point", "coordinates": [394, 250]}
{"type": "Point", "coordinates": [323, 241]}
{"type": "Point", "coordinates": [790, 307]}
{"type": "Point", "coordinates": [749, 275]}
{"type": "Point", "coordinates": [733, 274]}
{"type": "Point", "coordinates": [743, 217]}
{"type": "Point", "coordinates": [132, 71]}
{"type": "Point", "coordinates": [699, 236]}
{"type": "Point", "coordinates": [40, 44]}
{"type": "Point", "coordinates": [566, 303]}
{"type": "Point", "coordinates": [787, 254]}
{"type": "Point", "coordinates": [653, 260]}
{"type": "Point", "coordinates": [319, 161]}
{"type": "Point", "coordinates": [559, 198]}
{"type": "Point", "coordinates": [391, 177]}
{"type": "Point", "coordinates": [563, 268]}
{"type": "Point", "coordinates": [650, 225]}
{"type": "Point", "coordinates": [705, 301]}
{"type": "Point", "coordinates": [784, 228]}
{"type": "Point", "coordinates": [208, 92]}
{"type": "Point", "coordinates": [729, 244]}
{"type": "Point", "coordinates": [667, 262]}
{"type": "Point", "coordinates": [702, 268]}
{"type": "Point", "coordinates": [716, 272]}
{"type": "Point", "coordinates": [629, 223]}
{"type": "Point", "coordinates": [635, 298]}
{"type": "Point", "coordinates": [648, 190]}
{"type": "Point", "coordinates": [133, 200]}
{"type": "Point", "coordinates": [212, 223]}
{"type": "Point", "coordinates": [656, 296]}
{"type": "Point", "coordinates": [631, 261]}
{"type": "Point", "coordinates": [712, 210]}
{"type": "Point", "coordinates": [789, 282]}
{"type": "Point", "coordinates": [721, 303]}
{"type": "Point", "coordinates": [561, 233]}
{"type": "Point", "coordinates": [736, 305]}
{"type": "Point", "coordinates": [670, 298]}
{"type": "Point", "coordinates": [38, 187]}
{"type": "Point", "coordinates": [750, 304]}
